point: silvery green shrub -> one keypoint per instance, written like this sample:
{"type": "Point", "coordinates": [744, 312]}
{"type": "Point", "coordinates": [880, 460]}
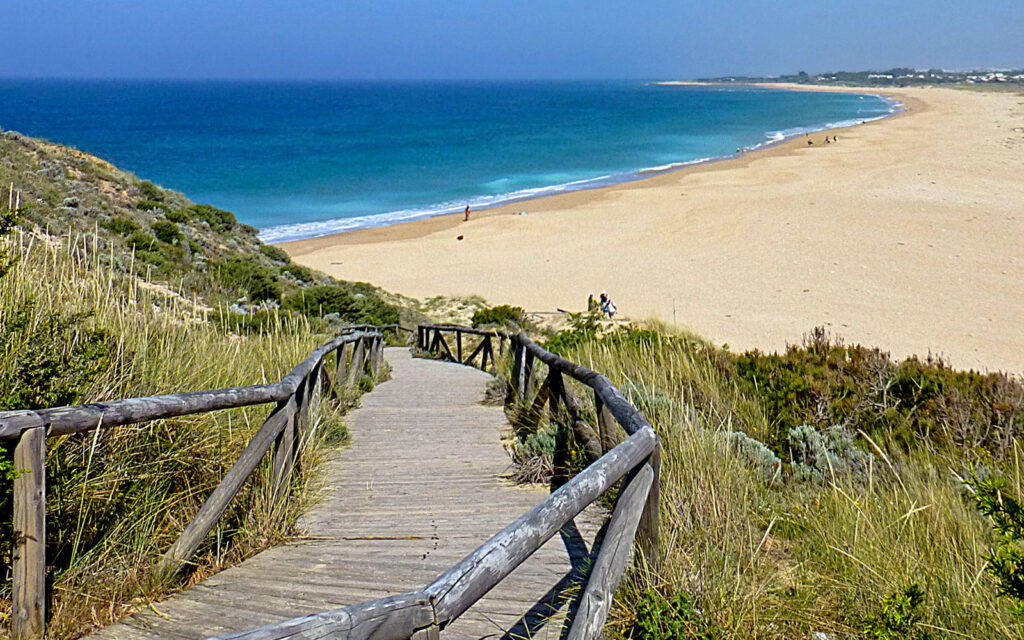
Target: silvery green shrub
{"type": "Point", "coordinates": [820, 455]}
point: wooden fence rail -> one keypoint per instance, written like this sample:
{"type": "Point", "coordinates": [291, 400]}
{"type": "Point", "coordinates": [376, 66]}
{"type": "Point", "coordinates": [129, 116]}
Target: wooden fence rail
{"type": "Point", "coordinates": [422, 614]}
{"type": "Point", "coordinates": [296, 396]}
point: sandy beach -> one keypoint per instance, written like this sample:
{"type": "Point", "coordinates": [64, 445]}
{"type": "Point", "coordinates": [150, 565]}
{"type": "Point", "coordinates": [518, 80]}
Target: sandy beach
{"type": "Point", "coordinates": [906, 234]}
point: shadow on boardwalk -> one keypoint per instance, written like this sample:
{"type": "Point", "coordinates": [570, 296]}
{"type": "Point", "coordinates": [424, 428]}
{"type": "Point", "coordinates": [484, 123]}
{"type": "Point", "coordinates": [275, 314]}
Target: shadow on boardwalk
{"type": "Point", "coordinates": [420, 487]}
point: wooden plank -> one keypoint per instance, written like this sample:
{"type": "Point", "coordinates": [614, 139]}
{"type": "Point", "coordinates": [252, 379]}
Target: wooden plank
{"type": "Point", "coordinates": [283, 449]}
{"type": "Point", "coordinates": [606, 425]}
{"type": "Point", "coordinates": [458, 345]}
{"type": "Point", "coordinates": [488, 352]}
{"type": "Point", "coordinates": [480, 571]}
{"type": "Point", "coordinates": [604, 577]}
{"type": "Point", "coordinates": [476, 351]}
{"type": "Point", "coordinates": [444, 343]}
{"type": "Point", "coordinates": [392, 618]}
{"type": "Point", "coordinates": [583, 434]}
{"type": "Point", "coordinates": [518, 371]}
{"type": "Point", "coordinates": [28, 615]}
{"type": "Point", "coordinates": [648, 535]}
{"type": "Point", "coordinates": [215, 505]}
{"type": "Point", "coordinates": [358, 363]}
{"type": "Point", "coordinates": [560, 460]}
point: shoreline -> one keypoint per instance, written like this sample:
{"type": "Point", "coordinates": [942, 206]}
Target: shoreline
{"type": "Point", "coordinates": [419, 227]}
{"type": "Point", "coordinates": [584, 184]}
{"type": "Point", "coordinates": [905, 235]}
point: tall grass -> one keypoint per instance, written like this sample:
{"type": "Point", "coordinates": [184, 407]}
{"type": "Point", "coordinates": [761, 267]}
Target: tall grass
{"type": "Point", "coordinates": [119, 496]}
{"type": "Point", "coordinates": [783, 558]}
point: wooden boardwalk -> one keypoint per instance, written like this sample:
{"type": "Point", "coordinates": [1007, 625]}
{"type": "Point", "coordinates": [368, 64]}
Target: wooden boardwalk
{"type": "Point", "coordinates": [420, 487]}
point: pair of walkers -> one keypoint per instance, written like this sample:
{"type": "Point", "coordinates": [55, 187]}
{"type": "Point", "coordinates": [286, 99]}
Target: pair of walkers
{"type": "Point", "coordinates": [604, 304]}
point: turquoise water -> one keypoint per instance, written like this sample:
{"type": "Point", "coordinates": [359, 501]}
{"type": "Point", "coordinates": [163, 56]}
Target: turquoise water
{"type": "Point", "coordinates": [304, 159]}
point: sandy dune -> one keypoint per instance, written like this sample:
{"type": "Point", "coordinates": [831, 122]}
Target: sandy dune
{"type": "Point", "coordinates": [906, 234]}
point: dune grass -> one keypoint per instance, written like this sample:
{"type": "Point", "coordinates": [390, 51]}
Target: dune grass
{"type": "Point", "coordinates": [750, 555]}
{"type": "Point", "coordinates": [76, 331]}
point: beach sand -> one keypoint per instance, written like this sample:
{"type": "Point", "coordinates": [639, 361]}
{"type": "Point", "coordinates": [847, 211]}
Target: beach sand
{"type": "Point", "coordinates": [906, 234]}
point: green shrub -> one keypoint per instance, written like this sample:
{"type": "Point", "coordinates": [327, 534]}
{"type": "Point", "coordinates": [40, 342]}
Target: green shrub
{"type": "Point", "coordinates": [247, 274]}
{"type": "Point", "coordinates": [502, 314]}
{"type": "Point", "coordinates": [824, 383]}
{"type": "Point", "coordinates": [365, 384]}
{"type": "Point", "coordinates": [357, 308]}
{"type": "Point", "coordinates": [582, 328]}
{"type": "Point", "coordinates": [218, 219]}
{"type": "Point", "coordinates": [667, 617]}
{"type": "Point", "coordinates": [819, 456]}
{"type": "Point", "coordinates": [761, 458]}
{"type": "Point", "coordinates": [166, 231]}
{"type": "Point", "coordinates": [898, 617]}
{"type": "Point", "coordinates": [302, 274]}
{"type": "Point", "coordinates": [142, 240]}
{"type": "Point", "coordinates": [1006, 565]}
{"type": "Point", "coordinates": [178, 215]}
{"type": "Point", "coordinates": [120, 225]}
{"type": "Point", "coordinates": [276, 254]}
{"type": "Point", "coordinates": [149, 205]}
{"type": "Point", "coordinates": [150, 191]}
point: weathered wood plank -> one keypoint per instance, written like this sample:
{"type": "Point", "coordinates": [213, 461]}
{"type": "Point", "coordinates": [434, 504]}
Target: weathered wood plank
{"type": "Point", "coordinates": [393, 618]}
{"type": "Point", "coordinates": [358, 363]}
{"type": "Point", "coordinates": [480, 571]}
{"type": "Point", "coordinates": [28, 613]}
{"type": "Point", "coordinates": [218, 501]}
{"type": "Point", "coordinates": [604, 577]}
{"type": "Point", "coordinates": [648, 536]}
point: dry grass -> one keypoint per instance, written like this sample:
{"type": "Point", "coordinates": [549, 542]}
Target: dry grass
{"type": "Point", "coordinates": [118, 497]}
{"type": "Point", "coordinates": [787, 558]}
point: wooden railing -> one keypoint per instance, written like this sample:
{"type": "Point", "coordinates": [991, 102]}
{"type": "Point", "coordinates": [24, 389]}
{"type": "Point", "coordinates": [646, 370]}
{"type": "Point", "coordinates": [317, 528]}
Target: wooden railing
{"type": "Point", "coordinates": [359, 350]}
{"type": "Point", "coordinates": [422, 614]}
{"type": "Point", "coordinates": [430, 338]}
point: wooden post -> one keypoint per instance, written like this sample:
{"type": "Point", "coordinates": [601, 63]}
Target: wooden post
{"type": "Point", "coordinates": [647, 534]}
{"type": "Point", "coordinates": [458, 346]}
{"type": "Point", "coordinates": [605, 425]}
{"type": "Point", "coordinates": [528, 375]}
{"type": "Point", "coordinates": [487, 352]}
{"type": "Point", "coordinates": [562, 460]}
{"type": "Point", "coordinates": [517, 372]}
{"type": "Point", "coordinates": [28, 614]}
{"type": "Point", "coordinates": [604, 577]}
{"type": "Point", "coordinates": [283, 445]}
{"type": "Point", "coordinates": [356, 367]}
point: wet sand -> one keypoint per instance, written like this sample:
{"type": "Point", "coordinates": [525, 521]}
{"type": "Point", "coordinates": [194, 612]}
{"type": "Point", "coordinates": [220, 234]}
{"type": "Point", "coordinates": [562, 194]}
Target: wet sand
{"type": "Point", "coordinates": [907, 234]}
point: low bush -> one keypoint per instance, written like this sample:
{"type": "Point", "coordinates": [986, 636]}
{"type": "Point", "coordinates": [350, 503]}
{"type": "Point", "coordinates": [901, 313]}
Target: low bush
{"type": "Point", "coordinates": [149, 205]}
{"type": "Point", "coordinates": [248, 275]}
{"type": "Point", "coordinates": [178, 215]}
{"type": "Point", "coordinates": [822, 456]}
{"type": "Point", "coordinates": [898, 617]}
{"type": "Point", "coordinates": [218, 219]}
{"type": "Point", "coordinates": [150, 191]}
{"type": "Point", "coordinates": [502, 315]}
{"type": "Point", "coordinates": [276, 254]}
{"type": "Point", "coordinates": [300, 273]}
{"type": "Point", "coordinates": [166, 231]}
{"type": "Point", "coordinates": [120, 225]}
{"type": "Point", "coordinates": [140, 240]}
{"type": "Point", "coordinates": [667, 617]}
{"type": "Point", "coordinates": [353, 307]}
{"type": "Point", "coordinates": [1006, 563]}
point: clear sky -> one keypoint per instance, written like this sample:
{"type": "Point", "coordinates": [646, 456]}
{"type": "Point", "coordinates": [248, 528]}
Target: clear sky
{"type": "Point", "coordinates": [500, 39]}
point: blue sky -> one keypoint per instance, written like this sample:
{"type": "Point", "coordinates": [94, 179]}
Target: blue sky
{"type": "Point", "coordinates": [499, 39]}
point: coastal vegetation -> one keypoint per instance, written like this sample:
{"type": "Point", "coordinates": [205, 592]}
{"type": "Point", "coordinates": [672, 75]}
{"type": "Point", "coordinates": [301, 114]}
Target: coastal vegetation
{"type": "Point", "coordinates": [827, 490]}
{"type": "Point", "coordinates": [111, 287]}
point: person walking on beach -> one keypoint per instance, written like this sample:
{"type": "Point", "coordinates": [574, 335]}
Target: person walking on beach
{"type": "Point", "coordinates": [607, 306]}
{"type": "Point", "coordinates": [466, 219]}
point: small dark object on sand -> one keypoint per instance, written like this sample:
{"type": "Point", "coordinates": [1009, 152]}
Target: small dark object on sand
{"type": "Point", "coordinates": [459, 237]}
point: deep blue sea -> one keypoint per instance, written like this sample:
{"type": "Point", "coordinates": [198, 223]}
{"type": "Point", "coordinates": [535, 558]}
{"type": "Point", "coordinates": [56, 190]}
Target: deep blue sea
{"type": "Point", "coordinates": [301, 159]}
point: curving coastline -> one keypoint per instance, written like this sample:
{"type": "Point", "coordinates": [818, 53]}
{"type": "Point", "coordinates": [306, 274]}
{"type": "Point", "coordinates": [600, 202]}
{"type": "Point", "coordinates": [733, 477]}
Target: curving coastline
{"type": "Point", "coordinates": [904, 235]}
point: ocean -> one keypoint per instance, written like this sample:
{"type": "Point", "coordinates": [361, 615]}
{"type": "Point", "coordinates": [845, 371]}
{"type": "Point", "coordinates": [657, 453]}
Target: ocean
{"type": "Point", "coordinates": [303, 159]}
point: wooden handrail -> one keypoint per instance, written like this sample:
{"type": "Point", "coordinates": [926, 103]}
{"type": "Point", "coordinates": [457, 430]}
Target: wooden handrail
{"type": "Point", "coordinates": [420, 615]}
{"type": "Point", "coordinates": [282, 432]}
